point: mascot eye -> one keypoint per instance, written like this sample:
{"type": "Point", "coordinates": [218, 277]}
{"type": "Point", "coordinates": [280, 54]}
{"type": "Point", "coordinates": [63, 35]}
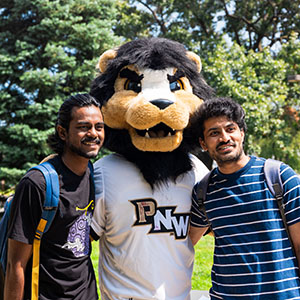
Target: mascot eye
{"type": "Point", "coordinates": [132, 86]}
{"type": "Point", "coordinates": [176, 85]}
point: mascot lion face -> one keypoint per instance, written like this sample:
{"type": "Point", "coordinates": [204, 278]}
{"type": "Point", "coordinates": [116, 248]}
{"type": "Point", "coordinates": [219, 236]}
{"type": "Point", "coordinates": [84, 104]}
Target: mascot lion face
{"type": "Point", "coordinates": [153, 105]}
{"type": "Point", "coordinates": [153, 94]}
{"type": "Point", "coordinates": [148, 89]}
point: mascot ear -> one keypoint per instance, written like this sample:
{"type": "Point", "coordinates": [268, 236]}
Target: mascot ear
{"type": "Point", "coordinates": [195, 58]}
{"type": "Point", "coordinates": [105, 58]}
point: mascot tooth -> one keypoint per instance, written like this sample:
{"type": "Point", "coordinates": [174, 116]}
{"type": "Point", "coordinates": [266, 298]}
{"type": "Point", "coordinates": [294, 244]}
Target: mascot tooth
{"type": "Point", "coordinates": [148, 89]}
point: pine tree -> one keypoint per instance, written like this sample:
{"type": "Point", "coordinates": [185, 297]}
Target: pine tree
{"type": "Point", "coordinates": [48, 51]}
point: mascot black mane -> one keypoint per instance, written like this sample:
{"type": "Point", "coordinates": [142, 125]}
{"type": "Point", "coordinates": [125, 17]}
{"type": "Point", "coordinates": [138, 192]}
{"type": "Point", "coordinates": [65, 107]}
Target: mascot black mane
{"type": "Point", "coordinates": [149, 89]}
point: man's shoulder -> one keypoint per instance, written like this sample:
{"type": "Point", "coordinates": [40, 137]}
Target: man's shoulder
{"type": "Point", "coordinates": [31, 185]}
{"type": "Point", "coordinates": [35, 177]}
{"type": "Point", "coordinates": [284, 168]}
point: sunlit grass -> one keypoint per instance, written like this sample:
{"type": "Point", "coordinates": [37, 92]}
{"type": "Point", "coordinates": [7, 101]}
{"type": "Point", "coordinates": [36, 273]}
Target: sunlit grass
{"type": "Point", "coordinates": [202, 266]}
{"type": "Point", "coordinates": [95, 256]}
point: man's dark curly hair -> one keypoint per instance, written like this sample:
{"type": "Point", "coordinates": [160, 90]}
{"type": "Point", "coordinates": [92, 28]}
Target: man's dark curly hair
{"type": "Point", "coordinates": [64, 118]}
{"type": "Point", "coordinates": [216, 107]}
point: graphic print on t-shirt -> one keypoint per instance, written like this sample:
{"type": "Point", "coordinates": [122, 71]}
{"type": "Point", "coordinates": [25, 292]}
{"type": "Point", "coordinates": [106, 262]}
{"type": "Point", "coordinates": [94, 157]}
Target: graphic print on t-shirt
{"type": "Point", "coordinates": [79, 233]}
{"type": "Point", "coordinates": [162, 219]}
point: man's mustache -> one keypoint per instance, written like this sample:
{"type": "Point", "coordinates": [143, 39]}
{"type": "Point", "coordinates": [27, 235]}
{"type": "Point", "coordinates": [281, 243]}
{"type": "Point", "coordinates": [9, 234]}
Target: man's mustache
{"type": "Point", "coordinates": [91, 140]}
{"type": "Point", "coordinates": [226, 144]}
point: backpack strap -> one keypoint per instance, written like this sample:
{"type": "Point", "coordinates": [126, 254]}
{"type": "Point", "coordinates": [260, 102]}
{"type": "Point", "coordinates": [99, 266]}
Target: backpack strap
{"type": "Point", "coordinates": [3, 235]}
{"type": "Point", "coordinates": [91, 167]}
{"type": "Point", "coordinates": [273, 179]}
{"type": "Point", "coordinates": [48, 213]}
{"type": "Point", "coordinates": [52, 192]}
{"type": "Point", "coordinates": [201, 190]}
{"type": "Point", "coordinates": [274, 183]}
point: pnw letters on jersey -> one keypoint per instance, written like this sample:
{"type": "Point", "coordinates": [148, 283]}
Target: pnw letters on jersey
{"type": "Point", "coordinates": [162, 219]}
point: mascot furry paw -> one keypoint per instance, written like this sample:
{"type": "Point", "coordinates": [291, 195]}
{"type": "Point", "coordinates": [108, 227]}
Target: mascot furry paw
{"type": "Point", "coordinates": [148, 89]}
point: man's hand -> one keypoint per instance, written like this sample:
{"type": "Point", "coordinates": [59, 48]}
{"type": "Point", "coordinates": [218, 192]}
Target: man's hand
{"type": "Point", "coordinates": [196, 233]}
{"type": "Point", "coordinates": [294, 231]}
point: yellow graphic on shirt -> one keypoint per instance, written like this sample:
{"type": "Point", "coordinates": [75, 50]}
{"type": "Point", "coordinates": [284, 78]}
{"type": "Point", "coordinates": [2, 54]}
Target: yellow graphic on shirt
{"type": "Point", "coordinates": [78, 240]}
{"type": "Point", "coordinates": [91, 204]}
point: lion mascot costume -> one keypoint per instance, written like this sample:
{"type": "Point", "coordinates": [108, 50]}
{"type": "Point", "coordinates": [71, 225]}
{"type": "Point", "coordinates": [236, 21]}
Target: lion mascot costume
{"type": "Point", "coordinates": [148, 90]}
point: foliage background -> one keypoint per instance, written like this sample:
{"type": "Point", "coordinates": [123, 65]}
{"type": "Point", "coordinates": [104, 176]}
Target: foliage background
{"type": "Point", "coordinates": [49, 48]}
{"type": "Point", "coordinates": [48, 51]}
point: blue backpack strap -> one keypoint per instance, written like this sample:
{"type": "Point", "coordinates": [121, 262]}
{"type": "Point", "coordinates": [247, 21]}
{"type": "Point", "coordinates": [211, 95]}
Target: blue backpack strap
{"type": "Point", "coordinates": [3, 234]}
{"type": "Point", "coordinates": [92, 182]}
{"type": "Point", "coordinates": [48, 213]}
{"type": "Point", "coordinates": [91, 167]}
{"type": "Point", "coordinates": [52, 192]}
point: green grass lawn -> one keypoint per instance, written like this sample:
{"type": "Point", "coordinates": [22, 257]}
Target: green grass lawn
{"type": "Point", "coordinates": [202, 266]}
{"type": "Point", "coordinates": [203, 262]}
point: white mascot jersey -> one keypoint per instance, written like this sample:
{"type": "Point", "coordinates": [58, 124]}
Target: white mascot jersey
{"type": "Point", "coordinates": [145, 251]}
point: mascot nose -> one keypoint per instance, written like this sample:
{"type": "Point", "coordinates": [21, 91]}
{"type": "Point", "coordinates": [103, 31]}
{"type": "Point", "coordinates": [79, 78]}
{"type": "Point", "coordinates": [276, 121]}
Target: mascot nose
{"type": "Point", "coordinates": [161, 103]}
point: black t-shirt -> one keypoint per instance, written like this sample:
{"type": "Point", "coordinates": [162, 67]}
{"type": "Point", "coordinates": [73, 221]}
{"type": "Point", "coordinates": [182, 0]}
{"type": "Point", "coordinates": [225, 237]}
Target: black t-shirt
{"type": "Point", "coordinates": [66, 270]}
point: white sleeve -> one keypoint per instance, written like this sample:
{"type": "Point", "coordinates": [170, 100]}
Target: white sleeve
{"type": "Point", "coordinates": [98, 220]}
{"type": "Point", "coordinates": [199, 168]}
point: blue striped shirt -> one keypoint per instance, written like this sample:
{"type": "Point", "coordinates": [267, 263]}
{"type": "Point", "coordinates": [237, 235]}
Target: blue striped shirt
{"type": "Point", "coordinates": [253, 258]}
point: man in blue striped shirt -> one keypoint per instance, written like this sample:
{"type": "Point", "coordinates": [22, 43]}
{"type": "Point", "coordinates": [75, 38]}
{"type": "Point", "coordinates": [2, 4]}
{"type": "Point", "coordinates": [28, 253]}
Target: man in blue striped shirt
{"type": "Point", "coordinates": [253, 256]}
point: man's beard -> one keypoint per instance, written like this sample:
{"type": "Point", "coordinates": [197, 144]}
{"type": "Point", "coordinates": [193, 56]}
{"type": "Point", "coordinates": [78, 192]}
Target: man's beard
{"type": "Point", "coordinates": [220, 160]}
{"type": "Point", "coordinates": [83, 153]}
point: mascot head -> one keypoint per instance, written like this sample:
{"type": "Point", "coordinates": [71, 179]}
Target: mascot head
{"type": "Point", "coordinates": [148, 89]}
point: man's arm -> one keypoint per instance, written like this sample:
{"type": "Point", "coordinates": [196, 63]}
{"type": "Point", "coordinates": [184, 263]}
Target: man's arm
{"type": "Point", "coordinates": [18, 255]}
{"type": "Point", "coordinates": [196, 233]}
{"type": "Point", "coordinates": [295, 237]}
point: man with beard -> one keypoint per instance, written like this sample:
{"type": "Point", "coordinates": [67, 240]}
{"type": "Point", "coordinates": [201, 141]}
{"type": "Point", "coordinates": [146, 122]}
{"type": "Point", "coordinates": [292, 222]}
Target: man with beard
{"type": "Point", "coordinates": [66, 270]}
{"type": "Point", "coordinates": [253, 257]}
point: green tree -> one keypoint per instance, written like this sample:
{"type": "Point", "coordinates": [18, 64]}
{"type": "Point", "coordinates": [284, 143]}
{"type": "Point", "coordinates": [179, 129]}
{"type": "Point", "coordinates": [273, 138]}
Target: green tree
{"type": "Point", "coordinates": [248, 49]}
{"type": "Point", "coordinates": [48, 50]}
{"type": "Point", "coordinates": [253, 24]}
{"type": "Point", "coordinates": [259, 82]}
{"type": "Point", "coordinates": [189, 22]}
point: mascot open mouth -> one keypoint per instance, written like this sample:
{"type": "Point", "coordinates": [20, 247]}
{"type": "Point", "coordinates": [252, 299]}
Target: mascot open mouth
{"type": "Point", "coordinates": [159, 131]}
{"type": "Point", "coordinates": [160, 138]}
